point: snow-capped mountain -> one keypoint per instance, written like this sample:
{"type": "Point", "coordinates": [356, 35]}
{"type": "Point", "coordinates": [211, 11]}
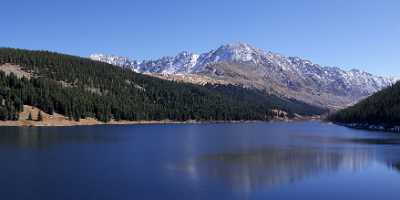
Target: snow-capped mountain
{"type": "Point", "coordinates": [245, 65]}
{"type": "Point", "coordinates": [120, 61]}
{"type": "Point", "coordinates": [183, 63]}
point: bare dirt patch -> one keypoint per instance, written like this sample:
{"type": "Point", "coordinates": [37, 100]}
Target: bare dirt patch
{"type": "Point", "coordinates": [15, 69]}
{"type": "Point", "coordinates": [61, 120]}
{"type": "Point", "coordinates": [192, 78]}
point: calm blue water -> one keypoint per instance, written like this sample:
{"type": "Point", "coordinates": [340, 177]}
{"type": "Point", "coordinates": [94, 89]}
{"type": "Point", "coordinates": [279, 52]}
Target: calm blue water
{"type": "Point", "coordinates": [305, 160]}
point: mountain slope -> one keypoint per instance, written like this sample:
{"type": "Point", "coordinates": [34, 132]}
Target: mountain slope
{"type": "Point", "coordinates": [242, 64]}
{"type": "Point", "coordinates": [382, 108]}
{"type": "Point", "coordinates": [79, 88]}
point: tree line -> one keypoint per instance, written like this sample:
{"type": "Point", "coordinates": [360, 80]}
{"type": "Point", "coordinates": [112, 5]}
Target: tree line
{"type": "Point", "coordinates": [382, 108]}
{"type": "Point", "coordinates": [78, 88]}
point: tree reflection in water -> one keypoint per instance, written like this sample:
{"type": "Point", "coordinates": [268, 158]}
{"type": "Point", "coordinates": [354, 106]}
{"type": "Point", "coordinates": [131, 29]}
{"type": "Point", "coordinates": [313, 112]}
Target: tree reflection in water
{"type": "Point", "coordinates": [38, 137]}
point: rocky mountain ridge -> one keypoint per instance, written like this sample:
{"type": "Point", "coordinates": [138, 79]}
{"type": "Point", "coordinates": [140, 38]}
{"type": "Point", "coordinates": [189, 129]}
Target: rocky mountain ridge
{"type": "Point", "coordinates": [248, 66]}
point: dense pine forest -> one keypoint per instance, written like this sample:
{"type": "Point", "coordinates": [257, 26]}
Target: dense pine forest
{"type": "Point", "coordinates": [78, 88]}
{"type": "Point", "coordinates": [382, 108]}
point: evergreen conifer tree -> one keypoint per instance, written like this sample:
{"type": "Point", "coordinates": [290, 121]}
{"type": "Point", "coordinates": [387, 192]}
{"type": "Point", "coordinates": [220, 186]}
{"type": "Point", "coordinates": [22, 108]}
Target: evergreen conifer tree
{"type": "Point", "coordinates": [40, 117]}
{"type": "Point", "coordinates": [30, 116]}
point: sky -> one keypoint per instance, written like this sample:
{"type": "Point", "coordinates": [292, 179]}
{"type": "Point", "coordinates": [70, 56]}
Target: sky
{"type": "Point", "coordinates": [361, 34]}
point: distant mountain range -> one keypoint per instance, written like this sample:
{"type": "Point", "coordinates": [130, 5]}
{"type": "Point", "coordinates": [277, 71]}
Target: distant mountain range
{"type": "Point", "coordinates": [250, 67]}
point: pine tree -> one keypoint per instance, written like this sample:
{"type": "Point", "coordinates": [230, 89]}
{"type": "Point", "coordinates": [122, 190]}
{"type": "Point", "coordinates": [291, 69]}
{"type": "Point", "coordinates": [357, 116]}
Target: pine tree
{"type": "Point", "coordinates": [40, 117]}
{"type": "Point", "coordinates": [30, 117]}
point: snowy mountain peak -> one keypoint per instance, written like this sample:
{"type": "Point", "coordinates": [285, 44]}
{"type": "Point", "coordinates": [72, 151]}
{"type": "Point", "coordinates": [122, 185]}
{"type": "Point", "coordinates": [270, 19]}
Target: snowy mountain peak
{"type": "Point", "coordinates": [120, 61]}
{"type": "Point", "coordinates": [240, 52]}
{"type": "Point", "coordinates": [246, 65]}
{"type": "Point", "coordinates": [182, 63]}
{"type": "Point", "coordinates": [239, 48]}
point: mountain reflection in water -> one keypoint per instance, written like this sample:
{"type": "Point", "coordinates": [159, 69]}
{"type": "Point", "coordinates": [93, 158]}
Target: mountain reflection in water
{"type": "Point", "coordinates": [252, 170]}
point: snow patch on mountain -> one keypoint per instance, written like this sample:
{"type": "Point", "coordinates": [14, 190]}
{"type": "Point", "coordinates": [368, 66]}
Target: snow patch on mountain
{"type": "Point", "coordinates": [243, 63]}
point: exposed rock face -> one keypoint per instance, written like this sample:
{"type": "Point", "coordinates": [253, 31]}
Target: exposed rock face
{"type": "Point", "coordinates": [245, 65]}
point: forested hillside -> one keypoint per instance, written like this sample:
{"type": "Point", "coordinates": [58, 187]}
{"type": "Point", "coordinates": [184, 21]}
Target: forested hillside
{"type": "Point", "coordinates": [382, 108]}
{"type": "Point", "coordinates": [79, 88]}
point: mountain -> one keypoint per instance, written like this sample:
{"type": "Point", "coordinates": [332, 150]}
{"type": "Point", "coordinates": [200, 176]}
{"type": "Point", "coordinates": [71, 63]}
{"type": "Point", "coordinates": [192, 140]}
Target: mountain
{"type": "Point", "coordinates": [250, 67]}
{"type": "Point", "coordinates": [79, 88]}
{"type": "Point", "coordinates": [379, 111]}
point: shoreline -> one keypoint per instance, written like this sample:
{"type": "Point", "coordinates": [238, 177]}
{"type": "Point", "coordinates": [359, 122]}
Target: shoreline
{"type": "Point", "coordinates": [161, 122]}
{"type": "Point", "coordinates": [371, 127]}
{"type": "Point", "coordinates": [91, 122]}
{"type": "Point", "coordinates": [58, 120]}
{"type": "Point", "coordinates": [25, 123]}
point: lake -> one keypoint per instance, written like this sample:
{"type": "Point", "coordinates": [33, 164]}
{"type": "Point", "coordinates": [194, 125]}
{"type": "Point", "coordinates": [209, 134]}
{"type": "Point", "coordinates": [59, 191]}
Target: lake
{"type": "Point", "coordinates": [300, 160]}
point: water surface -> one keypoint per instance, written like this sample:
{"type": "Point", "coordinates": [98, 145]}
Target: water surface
{"type": "Point", "coordinates": [305, 160]}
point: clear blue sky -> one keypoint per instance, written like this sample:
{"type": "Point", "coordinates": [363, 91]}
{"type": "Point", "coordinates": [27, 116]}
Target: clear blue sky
{"type": "Point", "coordinates": [353, 34]}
